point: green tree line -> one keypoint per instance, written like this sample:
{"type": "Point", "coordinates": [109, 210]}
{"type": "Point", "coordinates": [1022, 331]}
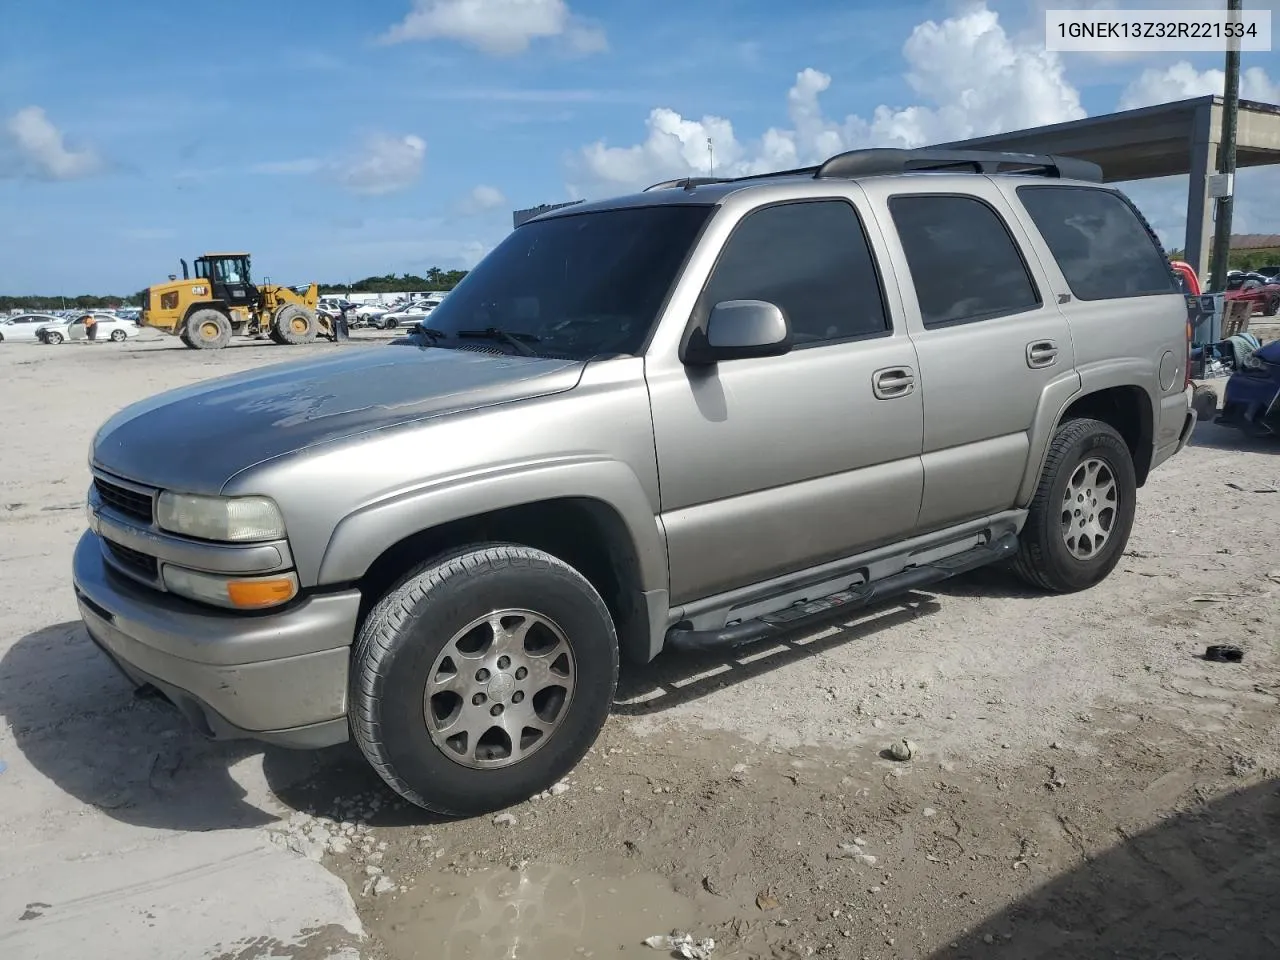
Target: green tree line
{"type": "Point", "coordinates": [82, 302]}
{"type": "Point", "coordinates": [433, 279]}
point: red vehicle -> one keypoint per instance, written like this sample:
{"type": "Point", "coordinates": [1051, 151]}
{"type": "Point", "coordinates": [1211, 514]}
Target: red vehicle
{"type": "Point", "coordinates": [1187, 278]}
{"type": "Point", "coordinates": [1264, 294]}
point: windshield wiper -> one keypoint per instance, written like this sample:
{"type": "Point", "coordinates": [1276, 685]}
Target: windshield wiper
{"type": "Point", "coordinates": [429, 332]}
{"type": "Point", "coordinates": [520, 341]}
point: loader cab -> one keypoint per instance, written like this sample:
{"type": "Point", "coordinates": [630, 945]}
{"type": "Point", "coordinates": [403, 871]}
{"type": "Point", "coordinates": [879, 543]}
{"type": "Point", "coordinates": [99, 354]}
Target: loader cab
{"type": "Point", "coordinates": [228, 276]}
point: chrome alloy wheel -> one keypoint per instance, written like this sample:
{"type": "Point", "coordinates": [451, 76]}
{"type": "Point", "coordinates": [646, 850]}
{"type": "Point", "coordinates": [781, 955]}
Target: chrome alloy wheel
{"type": "Point", "coordinates": [499, 689]}
{"type": "Point", "coordinates": [1089, 508]}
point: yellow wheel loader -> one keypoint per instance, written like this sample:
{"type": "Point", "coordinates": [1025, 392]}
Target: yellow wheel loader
{"type": "Point", "coordinates": [219, 300]}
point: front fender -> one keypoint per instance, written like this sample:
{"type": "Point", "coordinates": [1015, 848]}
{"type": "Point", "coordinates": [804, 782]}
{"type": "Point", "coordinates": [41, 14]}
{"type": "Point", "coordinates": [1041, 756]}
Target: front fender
{"type": "Point", "coordinates": [361, 537]}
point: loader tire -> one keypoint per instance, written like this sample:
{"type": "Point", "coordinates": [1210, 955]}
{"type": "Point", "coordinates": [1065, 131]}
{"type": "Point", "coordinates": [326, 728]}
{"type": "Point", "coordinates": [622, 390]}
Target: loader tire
{"type": "Point", "coordinates": [294, 325]}
{"type": "Point", "coordinates": [207, 330]}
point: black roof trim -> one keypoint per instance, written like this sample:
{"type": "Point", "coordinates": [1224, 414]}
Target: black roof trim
{"type": "Point", "coordinates": [687, 183]}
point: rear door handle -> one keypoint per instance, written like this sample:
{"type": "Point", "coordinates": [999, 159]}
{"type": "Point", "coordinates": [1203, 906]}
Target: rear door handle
{"type": "Point", "coordinates": [893, 382]}
{"type": "Point", "coordinates": [1042, 353]}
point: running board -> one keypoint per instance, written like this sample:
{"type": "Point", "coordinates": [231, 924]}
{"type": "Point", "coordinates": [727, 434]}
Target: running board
{"type": "Point", "coordinates": [682, 639]}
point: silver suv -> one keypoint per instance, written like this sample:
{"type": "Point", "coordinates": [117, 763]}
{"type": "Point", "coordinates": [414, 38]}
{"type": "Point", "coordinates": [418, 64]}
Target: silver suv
{"type": "Point", "coordinates": [687, 419]}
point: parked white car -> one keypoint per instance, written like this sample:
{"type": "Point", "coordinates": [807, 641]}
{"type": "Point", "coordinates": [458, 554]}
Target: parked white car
{"type": "Point", "coordinates": [25, 326]}
{"type": "Point", "coordinates": [109, 328]}
{"type": "Point", "coordinates": [370, 312]}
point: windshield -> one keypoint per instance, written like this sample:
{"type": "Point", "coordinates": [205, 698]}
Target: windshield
{"type": "Point", "coordinates": [224, 269]}
{"type": "Point", "coordinates": [576, 286]}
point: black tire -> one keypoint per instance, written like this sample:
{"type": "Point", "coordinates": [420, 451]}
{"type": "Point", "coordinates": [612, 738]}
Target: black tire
{"type": "Point", "coordinates": [294, 325]}
{"type": "Point", "coordinates": [390, 324]}
{"type": "Point", "coordinates": [1272, 307]}
{"type": "Point", "coordinates": [118, 336]}
{"type": "Point", "coordinates": [1044, 559]}
{"type": "Point", "coordinates": [53, 338]}
{"type": "Point", "coordinates": [207, 329]}
{"type": "Point", "coordinates": [410, 628]}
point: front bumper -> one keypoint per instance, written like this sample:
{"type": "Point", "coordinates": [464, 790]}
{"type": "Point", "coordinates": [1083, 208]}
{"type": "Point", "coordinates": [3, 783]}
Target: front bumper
{"type": "Point", "coordinates": [278, 677]}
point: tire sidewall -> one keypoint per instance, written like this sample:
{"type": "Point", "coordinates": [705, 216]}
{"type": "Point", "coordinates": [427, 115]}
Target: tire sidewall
{"type": "Point", "coordinates": [417, 638]}
{"type": "Point", "coordinates": [1107, 446]}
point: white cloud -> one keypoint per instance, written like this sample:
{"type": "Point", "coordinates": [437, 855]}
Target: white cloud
{"type": "Point", "coordinates": [39, 151]}
{"type": "Point", "coordinates": [1182, 81]}
{"type": "Point", "coordinates": [483, 198]}
{"type": "Point", "coordinates": [472, 252]}
{"type": "Point", "coordinates": [385, 165]}
{"type": "Point", "coordinates": [973, 78]}
{"type": "Point", "coordinates": [498, 27]}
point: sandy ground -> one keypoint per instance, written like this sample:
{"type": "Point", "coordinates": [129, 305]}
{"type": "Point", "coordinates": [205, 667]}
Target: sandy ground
{"type": "Point", "coordinates": [1083, 783]}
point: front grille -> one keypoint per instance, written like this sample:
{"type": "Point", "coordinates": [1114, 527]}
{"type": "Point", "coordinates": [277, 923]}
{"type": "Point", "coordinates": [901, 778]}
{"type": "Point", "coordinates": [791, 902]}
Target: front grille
{"type": "Point", "coordinates": [142, 564]}
{"type": "Point", "coordinates": [129, 502]}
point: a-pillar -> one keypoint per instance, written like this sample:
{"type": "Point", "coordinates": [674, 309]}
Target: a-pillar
{"type": "Point", "coordinates": [1204, 163]}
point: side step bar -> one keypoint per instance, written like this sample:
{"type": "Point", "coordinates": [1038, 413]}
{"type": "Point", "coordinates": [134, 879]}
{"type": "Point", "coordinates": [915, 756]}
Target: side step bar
{"type": "Point", "coordinates": [683, 639]}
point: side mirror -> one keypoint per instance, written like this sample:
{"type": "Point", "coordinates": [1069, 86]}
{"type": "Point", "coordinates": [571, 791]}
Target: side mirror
{"type": "Point", "coordinates": [740, 330]}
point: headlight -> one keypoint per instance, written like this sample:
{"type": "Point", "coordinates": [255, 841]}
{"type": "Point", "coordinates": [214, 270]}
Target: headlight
{"type": "Point", "coordinates": [236, 593]}
{"type": "Point", "coordinates": [227, 519]}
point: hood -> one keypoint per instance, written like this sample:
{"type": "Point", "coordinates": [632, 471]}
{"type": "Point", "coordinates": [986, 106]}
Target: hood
{"type": "Point", "coordinates": [196, 438]}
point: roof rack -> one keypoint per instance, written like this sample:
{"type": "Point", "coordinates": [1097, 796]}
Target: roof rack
{"type": "Point", "coordinates": [866, 163]}
{"type": "Point", "coordinates": [883, 160]}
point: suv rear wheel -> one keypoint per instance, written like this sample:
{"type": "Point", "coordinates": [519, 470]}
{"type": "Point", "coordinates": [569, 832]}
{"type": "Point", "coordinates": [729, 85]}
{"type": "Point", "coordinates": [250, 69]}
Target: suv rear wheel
{"type": "Point", "coordinates": [483, 678]}
{"type": "Point", "coordinates": [1083, 509]}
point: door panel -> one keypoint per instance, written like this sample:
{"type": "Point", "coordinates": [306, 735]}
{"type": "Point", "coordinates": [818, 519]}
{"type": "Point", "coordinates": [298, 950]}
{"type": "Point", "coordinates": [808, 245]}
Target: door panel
{"type": "Point", "coordinates": [990, 340]}
{"type": "Point", "coordinates": [772, 465]}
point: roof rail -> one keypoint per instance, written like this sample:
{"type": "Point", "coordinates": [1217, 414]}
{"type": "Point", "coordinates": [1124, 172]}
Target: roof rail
{"type": "Point", "coordinates": [867, 163]}
{"type": "Point", "coordinates": [883, 160]}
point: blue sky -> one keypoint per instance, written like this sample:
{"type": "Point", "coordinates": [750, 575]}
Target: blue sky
{"type": "Point", "coordinates": [334, 139]}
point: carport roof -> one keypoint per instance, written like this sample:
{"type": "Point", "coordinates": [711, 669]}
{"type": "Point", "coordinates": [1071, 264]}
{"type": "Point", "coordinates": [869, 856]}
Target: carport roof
{"type": "Point", "coordinates": [1147, 142]}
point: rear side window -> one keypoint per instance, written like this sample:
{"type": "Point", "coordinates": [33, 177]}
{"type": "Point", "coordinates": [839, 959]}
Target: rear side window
{"type": "Point", "coordinates": [812, 260]}
{"type": "Point", "coordinates": [1104, 250]}
{"type": "Point", "coordinates": [964, 264]}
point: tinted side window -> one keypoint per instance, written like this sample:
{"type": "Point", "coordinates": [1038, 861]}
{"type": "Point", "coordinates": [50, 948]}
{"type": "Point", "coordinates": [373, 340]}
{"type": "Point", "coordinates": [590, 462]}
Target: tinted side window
{"type": "Point", "coordinates": [1104, 250]}
{"type": "Point", "coordinates": [964, 264]}
{"type": "Point", "coordinates": [812, 260]}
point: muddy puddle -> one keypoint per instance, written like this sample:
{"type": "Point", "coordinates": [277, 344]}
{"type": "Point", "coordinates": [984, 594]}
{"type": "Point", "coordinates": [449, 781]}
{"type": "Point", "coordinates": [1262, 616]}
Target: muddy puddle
{"type": "Point", "coordinates": [537, 911]}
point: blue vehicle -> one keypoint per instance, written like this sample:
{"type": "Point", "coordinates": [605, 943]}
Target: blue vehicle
{"type": "Point", "coordinates": [1251, 401]}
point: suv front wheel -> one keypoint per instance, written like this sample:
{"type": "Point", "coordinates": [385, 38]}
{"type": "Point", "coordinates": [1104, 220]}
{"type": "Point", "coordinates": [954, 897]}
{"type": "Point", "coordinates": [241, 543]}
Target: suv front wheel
{"type": "Point", "coordinates": [483, 678]}
{"type": "Point", "coordinates": [1083, 509]}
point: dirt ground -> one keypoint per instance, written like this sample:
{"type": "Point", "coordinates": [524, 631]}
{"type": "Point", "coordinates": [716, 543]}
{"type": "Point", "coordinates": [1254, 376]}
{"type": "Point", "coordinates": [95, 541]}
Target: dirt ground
{"type": "Point", "coordinates": [1083, 783]}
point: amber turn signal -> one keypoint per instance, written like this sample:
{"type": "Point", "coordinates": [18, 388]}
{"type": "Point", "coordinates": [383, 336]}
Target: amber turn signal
{"type": "Point", "coordinates": [252, 594]}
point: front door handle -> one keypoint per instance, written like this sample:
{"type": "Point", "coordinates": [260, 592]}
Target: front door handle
{"type": "Point", "coordinates": [1042, 353]}
{"type": "Point", "coordinates": [893, 382]}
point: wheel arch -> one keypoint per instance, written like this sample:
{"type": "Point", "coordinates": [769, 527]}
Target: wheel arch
{"type": "Point", "coordinates": [594, 516]}
{"type": "Point", "coordinates": [1122, 403]}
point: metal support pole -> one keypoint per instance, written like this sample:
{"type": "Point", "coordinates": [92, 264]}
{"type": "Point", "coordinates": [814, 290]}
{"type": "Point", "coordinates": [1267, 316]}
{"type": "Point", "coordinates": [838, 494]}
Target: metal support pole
{"type": "Point", "coordinates": [1227, 161]}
